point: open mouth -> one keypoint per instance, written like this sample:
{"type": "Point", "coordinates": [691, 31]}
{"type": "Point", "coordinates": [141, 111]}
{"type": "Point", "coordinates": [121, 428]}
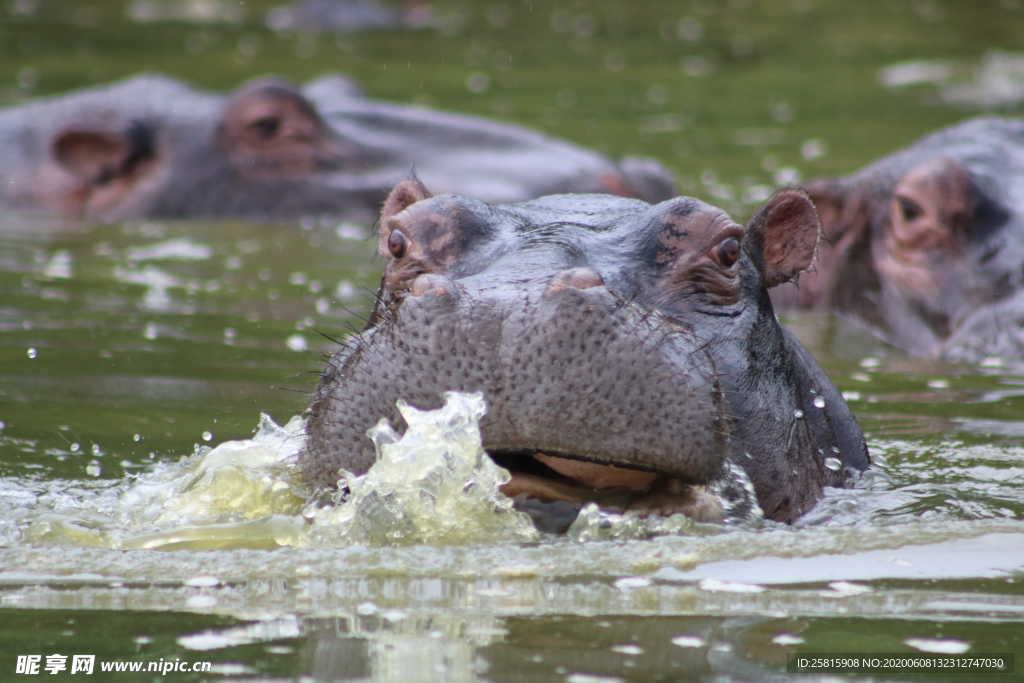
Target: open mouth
{"type": "Point", "coordinates": [548, 478]}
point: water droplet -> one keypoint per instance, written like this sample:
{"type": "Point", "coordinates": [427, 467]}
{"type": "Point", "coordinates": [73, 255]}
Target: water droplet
{"type": "Point", "coordinates": [204, 581]}
{"type": "Point", "coordinates": [869, 362]}
{"type": "Point", "coordinates": [93, 469]}
{"type": "Point", "coordinates": [628, 582]}
{"type": "Point", "coordinates": [74, 448]}
{"type": "Point", "coordinates": [696, 66]}
{"type": "Point", "coordinates": [136, 437]}
{"type": "Point", "coordinates": [350, 231]}
{"type": "Point", "coordinates": [96, 450]}
{"type": "Point", "coordinates": [688, 641]}
{"type": "Point", "coordinates": [150, 331]}
{"type": "Point", "coordinates": [719, 585]}
{"type": "Point", "coordinates": [207, 436]}
{"type": "Point", "coordinates": [32, 353]}
{"type": "Point", "coordinates": [851, 395]}
{"type": "Point", "coordinates": [787, 639]}
{"type": "Point", "coordinates": [798, 413]}
{"type": "Point", "coordinates": [28, 77]}
{"type": "Point", "coordinates": [833, 464]}
{"type": "Point", "coordinates": [938, 384]}
{"type": "Point", "coordinates": [813, 149]}
{"type": "Point", "coordinates": [478, 82]}
{"type": "Point", "coordinates": [201, 601]}
{"type": "Point", "coordinates": [296, 342]}
{"type": "Point", "coordinates": [945, 646]}
{"type": "Point", "coordinates": [819, 402]}
{"type": "Point", "coordinates": [844, 589]}
{"type": "Point", "coordinates": [614, 62]}
{"type": "Point", "coordinates": [782, 112]}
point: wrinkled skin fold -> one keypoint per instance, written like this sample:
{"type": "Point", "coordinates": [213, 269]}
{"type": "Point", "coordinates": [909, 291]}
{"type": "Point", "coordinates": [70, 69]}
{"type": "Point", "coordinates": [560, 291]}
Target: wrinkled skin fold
{"type": "Point", "coordinates": [624, 349]}
{"type": "Point", "coordinates": [151, 146]}
{"type": "Point", "coordinates": [926, 246]}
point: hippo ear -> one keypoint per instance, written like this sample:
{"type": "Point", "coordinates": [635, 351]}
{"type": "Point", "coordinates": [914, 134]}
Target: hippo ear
{"type": "Point", "coordinates": [402, 196]}
{"type": "Point", "coordinates": [783, 236]}
{"type": "Point", "coordinates": [99, 157]}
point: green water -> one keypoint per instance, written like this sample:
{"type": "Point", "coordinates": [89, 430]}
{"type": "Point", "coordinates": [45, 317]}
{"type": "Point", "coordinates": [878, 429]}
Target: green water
{"type": "Point", "coordinates": [123, 346]}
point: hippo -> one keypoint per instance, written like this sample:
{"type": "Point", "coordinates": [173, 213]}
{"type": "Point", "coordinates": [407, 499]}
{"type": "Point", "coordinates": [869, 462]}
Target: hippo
{"type": "Point", "coordinates": [926, 247]}
{"type": "Point", "coordinates": [628, 353]}
{"type": "Point", "coordinates": [347, 16]}
{"type": "Point", "coordinates": [151, 146]}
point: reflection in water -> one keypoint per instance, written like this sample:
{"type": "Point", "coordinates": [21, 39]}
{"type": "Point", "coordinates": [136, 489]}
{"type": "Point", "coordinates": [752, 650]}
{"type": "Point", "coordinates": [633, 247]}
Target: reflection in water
{"type": "Point", "coordinates": [994, 81]}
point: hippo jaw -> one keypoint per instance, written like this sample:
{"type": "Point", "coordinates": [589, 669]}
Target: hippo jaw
{"type": "Point", "coordinates": [560, 478]}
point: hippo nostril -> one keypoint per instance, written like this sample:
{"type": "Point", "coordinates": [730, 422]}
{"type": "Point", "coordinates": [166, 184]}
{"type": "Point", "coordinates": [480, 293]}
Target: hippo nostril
{"type": "Point", "coordinates": [430, 283]}
{"type": "Point", "coordinates": [575, 278]}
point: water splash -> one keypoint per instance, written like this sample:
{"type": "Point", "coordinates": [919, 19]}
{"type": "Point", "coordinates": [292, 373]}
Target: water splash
{"type": "Point", "coordinates": [435, 484]}
{"type": "Point", "coordinates": [733, 492]}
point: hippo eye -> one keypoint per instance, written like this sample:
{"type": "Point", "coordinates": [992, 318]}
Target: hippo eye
{"type": "Point", "coordinates": [909, 209]}
{"type": "Point", "coordinates": [266, 126]}
{"type": "Point", "coordinates": [728, 252]}
{"type": "Point", "coordinates": [396, 243]}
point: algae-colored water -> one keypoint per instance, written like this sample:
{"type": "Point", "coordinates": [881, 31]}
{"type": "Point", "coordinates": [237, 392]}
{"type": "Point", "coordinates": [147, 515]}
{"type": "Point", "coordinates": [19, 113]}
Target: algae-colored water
{"type": "Point", "coordinates": [124, 346]}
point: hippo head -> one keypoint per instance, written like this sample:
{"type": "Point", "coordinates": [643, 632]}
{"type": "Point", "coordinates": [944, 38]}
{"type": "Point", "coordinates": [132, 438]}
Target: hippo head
{"type": "Point", "coordinates": [925, 245]}
{"type": "Point", "coordinates": [153, 147]}
{"type": "Point", "coordinates": [622, 348]}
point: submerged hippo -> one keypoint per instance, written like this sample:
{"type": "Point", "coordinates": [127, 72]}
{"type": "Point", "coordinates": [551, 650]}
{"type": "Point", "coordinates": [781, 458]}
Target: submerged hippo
{"type": "Point", "coordinates": [927, 246]}
{"type": "Point", "coordinates": [622, 348]}
{"type": "Point", "coordinates": [347, 16]}
{"type": "Point", "coordinates": [151, 146]}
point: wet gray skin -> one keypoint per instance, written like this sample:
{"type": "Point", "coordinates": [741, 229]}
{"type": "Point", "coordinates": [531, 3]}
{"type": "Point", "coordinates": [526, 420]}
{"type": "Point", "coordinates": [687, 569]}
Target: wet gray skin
{"type": "Point", "coordinates": [628, 353]}
{"type": "Point", "coordinates": [151, 146]}
{"type": "Point", "coordinates": [926, 246]}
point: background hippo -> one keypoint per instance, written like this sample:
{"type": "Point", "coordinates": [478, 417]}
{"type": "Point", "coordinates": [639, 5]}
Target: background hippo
{"type": "Point", "coordinates": [347, 16]}
{"type": "Point", "coordinates": [152, 146]}
{"type": "Point", "coordinates": [927, 246]}
{"type": "Point", "coordinates": [618, 345]}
